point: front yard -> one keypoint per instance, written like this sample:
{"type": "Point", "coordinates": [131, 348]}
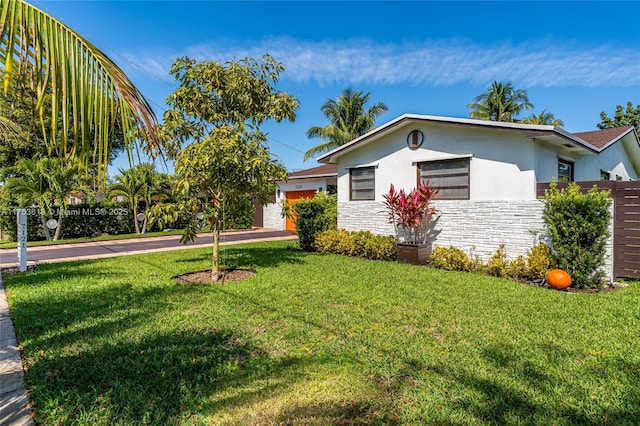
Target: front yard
{"type": "Point", "coordinates": [319, 339]}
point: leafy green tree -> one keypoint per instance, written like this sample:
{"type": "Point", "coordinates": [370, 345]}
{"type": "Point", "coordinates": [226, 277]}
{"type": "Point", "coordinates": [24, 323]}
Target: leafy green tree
{"type": "Point", "coordinates": [348, 119]}
{"type": "Point", "coordinates": [45, 183]}
{"type": "Point", "coordinates": [628, 116]}
{"type": "Point", "coordinates": [501, 102]}
{"type": "Point", "coordinates": [545, 118]}
{"type": "Point", "coordinates": [84, 87]}
{"type": "Point", "coordinates": [217, 111]}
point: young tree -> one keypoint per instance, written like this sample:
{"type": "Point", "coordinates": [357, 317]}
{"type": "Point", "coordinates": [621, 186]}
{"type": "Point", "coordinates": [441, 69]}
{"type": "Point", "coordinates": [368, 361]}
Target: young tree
{"type": "Point", "coordinates": [628, 116]}
{"type": "Point", "coordinates": [501, 102]}
{"type": "Point", "coordinates": [347, 120]}
{"type": "Point", "coordinates": [218, 110]}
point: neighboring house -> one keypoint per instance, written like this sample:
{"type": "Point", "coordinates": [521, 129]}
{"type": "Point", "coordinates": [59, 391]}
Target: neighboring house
{"type": "Point", "coordinates": [301, 184]}
{"type": "Point", "coordinates": [486, 173]}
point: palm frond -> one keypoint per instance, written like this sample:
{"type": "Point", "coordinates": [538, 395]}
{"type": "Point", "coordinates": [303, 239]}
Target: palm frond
{"type": "Point", "coordinates": [87, 90]}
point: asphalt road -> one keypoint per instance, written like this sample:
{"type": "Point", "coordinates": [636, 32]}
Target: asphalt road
{"type": "Point", "coordinates": [101, 249]}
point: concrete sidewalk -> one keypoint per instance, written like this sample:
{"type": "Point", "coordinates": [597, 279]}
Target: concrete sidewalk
{"type": "Point", "coordinates": [14, 402]}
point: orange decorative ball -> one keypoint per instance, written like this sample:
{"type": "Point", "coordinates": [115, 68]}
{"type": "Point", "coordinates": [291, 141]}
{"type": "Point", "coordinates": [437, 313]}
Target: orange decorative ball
{"type": "Point", "coordinates": [559, 279]}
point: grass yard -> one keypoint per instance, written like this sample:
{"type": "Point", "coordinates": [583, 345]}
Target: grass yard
{"type": "Point", "coordinates": [319, 339]}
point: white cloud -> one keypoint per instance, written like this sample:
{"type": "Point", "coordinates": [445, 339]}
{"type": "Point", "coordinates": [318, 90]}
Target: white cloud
{"type": "Point", "coordinates": [441, 62]}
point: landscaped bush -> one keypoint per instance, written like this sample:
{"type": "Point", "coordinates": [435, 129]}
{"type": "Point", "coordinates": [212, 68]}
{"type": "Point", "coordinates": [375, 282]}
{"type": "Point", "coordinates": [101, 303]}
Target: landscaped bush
{"type": "Point", "coordinates": [451, 259]}
{"type": "Point", "coordinates": [540, 260]}
{"type": "Point", "coordinates": [315, 216]}
{"type": "Point", "coordinates": [358, 244]}
{"type": "Point", "coordinates": [579, 226]}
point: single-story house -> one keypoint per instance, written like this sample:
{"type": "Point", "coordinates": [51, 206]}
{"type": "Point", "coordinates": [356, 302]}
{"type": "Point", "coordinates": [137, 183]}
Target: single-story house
{"type": "Point", "coordinates": [486, 173]}
{"type": "Point", "coordinates": [301, 184]}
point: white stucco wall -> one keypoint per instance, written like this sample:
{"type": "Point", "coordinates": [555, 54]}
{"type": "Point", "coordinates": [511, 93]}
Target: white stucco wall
{"type": "Point", "coordinates": [501, 167]}
{"type": "Point", "coordinates": [476, 227]}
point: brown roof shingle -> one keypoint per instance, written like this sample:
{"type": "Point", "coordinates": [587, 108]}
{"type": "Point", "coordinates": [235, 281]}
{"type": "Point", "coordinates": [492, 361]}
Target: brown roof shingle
{"type": "Point", "coordinates": [600, 138]}
{"type": "Point", "coordinates": [324, 170]}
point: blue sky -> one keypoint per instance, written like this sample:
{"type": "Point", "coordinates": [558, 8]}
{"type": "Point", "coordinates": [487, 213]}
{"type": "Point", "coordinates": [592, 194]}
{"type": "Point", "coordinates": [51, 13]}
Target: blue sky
{"type": "Point", "coordinates": [574, 59]}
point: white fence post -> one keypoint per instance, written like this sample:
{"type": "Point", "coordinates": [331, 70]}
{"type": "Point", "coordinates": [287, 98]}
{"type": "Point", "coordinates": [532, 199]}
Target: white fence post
{"type": "Point", "coordinates": [22, 239]}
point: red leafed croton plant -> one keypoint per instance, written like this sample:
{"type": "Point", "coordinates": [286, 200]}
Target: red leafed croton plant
{"type": "Point", "coordinates": [409, 212]}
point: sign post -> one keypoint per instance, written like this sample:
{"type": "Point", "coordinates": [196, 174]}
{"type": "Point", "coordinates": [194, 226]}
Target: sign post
{"type": "Point", "coordinates": [22, 239]}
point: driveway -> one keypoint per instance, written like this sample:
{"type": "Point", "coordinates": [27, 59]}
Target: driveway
{"type": "Point", "coordinates": [113, 248]}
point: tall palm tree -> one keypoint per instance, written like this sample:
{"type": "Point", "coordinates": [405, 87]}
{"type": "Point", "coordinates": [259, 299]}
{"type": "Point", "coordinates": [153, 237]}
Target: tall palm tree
{"type": "Point", "coordinates": [501, 102]}
{"type": "Point", "coordinates": [347, 120]}
{"type": "Point", "coordinates": [88, 93]}
{"type": "Point", "coordinates": [545, 117]}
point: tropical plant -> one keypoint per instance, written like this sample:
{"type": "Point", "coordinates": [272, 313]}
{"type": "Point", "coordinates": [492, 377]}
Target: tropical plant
{"type": "Point", "coordinates": [45, 183]}
{"type": "Point", "coordinates": [141, 182]}
{"type": "Point", "coordinates": [501, 102]}
{"type": "Point", "coordinates": [545, 118]}
{"type": "Point", "coordinates": [410, 212]}
{"type": "Point", "coordinates": [347, 120]}
{"type": "Point", "coordinates": [579, 227]}
{"type": "Point", "coordinates": [218, 109]}
{"type": "Point", "coordinates": [88, 93]}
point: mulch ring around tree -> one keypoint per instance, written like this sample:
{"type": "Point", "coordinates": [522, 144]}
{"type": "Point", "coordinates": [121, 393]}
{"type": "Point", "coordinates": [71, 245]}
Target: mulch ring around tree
{"type": "Point", "coordinates": [204, 277]}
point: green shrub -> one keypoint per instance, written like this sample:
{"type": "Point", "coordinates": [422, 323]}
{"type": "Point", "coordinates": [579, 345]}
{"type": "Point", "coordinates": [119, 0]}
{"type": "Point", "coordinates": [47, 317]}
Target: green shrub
{"type": "Point", "coordinates": [498, 265]}
{"type": "Point", "coordinates": [315, 216]}
{"type": "Point", "coordinates": [517, 269]}
{"type": "Point", "coordinates": [540, 260]}
{"type": "Point", "coordinates": [358, 244]}
{"type": "Point", "coordinates": [578, 224]}
{"type": "Point", "coordinates": [451, 259]}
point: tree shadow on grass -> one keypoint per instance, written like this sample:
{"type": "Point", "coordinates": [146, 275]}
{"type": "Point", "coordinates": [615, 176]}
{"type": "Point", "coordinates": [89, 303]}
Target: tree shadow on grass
{"type": "Point", "coordinates": [169, 377]}
{"type": "Point", "coordinates": [526, 393]}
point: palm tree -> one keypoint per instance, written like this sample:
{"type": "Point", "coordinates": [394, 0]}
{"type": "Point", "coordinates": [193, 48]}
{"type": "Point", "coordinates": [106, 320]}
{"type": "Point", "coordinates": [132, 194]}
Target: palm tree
{"type": "Point", "coordinates": [45, 183]}
{"type": "Point", "coordinates": [546, 118]}
{"type": "Point", "coordinates": [501, 102]}
{"type": "Point", "coordinates": [87, 91]}
{"type": "Point", "coordinates": [141, 182]}
{"type": "Point", "coordinates": [347, 120]}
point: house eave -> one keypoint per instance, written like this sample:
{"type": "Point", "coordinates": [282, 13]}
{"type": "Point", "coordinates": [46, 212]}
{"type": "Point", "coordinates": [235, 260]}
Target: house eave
{"type": "Point", "coordinates": [528, 130]}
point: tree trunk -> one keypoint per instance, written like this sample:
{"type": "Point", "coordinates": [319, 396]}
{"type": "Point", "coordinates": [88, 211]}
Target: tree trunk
{"type": "Point", "coordinates": [144, 225]}
{"type": "Point", "coordinates": [47, 234]}
{"type": "Point", "coordinates": [58, 228]}
{"type": "Point", "coordinates": [215, 256]}
{"type": "Point", "coordinates": [135, 219]}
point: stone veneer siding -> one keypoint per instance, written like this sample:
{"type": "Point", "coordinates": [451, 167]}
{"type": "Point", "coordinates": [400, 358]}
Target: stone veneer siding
{"type": "Point", "coordinates": [476, 227]}
{"type": "Point", "coordinates": [272, 216]}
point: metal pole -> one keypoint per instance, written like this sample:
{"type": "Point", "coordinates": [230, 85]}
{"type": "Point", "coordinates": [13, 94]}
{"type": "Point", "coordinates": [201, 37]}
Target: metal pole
{"type": "Point", "coordinates": [22, 239]}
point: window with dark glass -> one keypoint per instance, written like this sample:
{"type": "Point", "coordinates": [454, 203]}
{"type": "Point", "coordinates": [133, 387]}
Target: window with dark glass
{"type": "Point", "coordinates": [450, 177]}
{"type": "Point", "coordinates": [565, 171]}
{"type": "Point", "coordinates": [605, 175]}
{"type": "Point", "coordinates": [363, 183]}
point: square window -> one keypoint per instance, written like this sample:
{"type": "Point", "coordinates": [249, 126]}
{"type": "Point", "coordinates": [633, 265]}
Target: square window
{"type": "Point", "coordinates": [363, 183]}
{"type": "Point", "coordinates": [450, 177]}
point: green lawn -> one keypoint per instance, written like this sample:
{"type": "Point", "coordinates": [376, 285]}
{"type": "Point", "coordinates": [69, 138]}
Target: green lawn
{"type": "Point", "coordinates": [319, 339]}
